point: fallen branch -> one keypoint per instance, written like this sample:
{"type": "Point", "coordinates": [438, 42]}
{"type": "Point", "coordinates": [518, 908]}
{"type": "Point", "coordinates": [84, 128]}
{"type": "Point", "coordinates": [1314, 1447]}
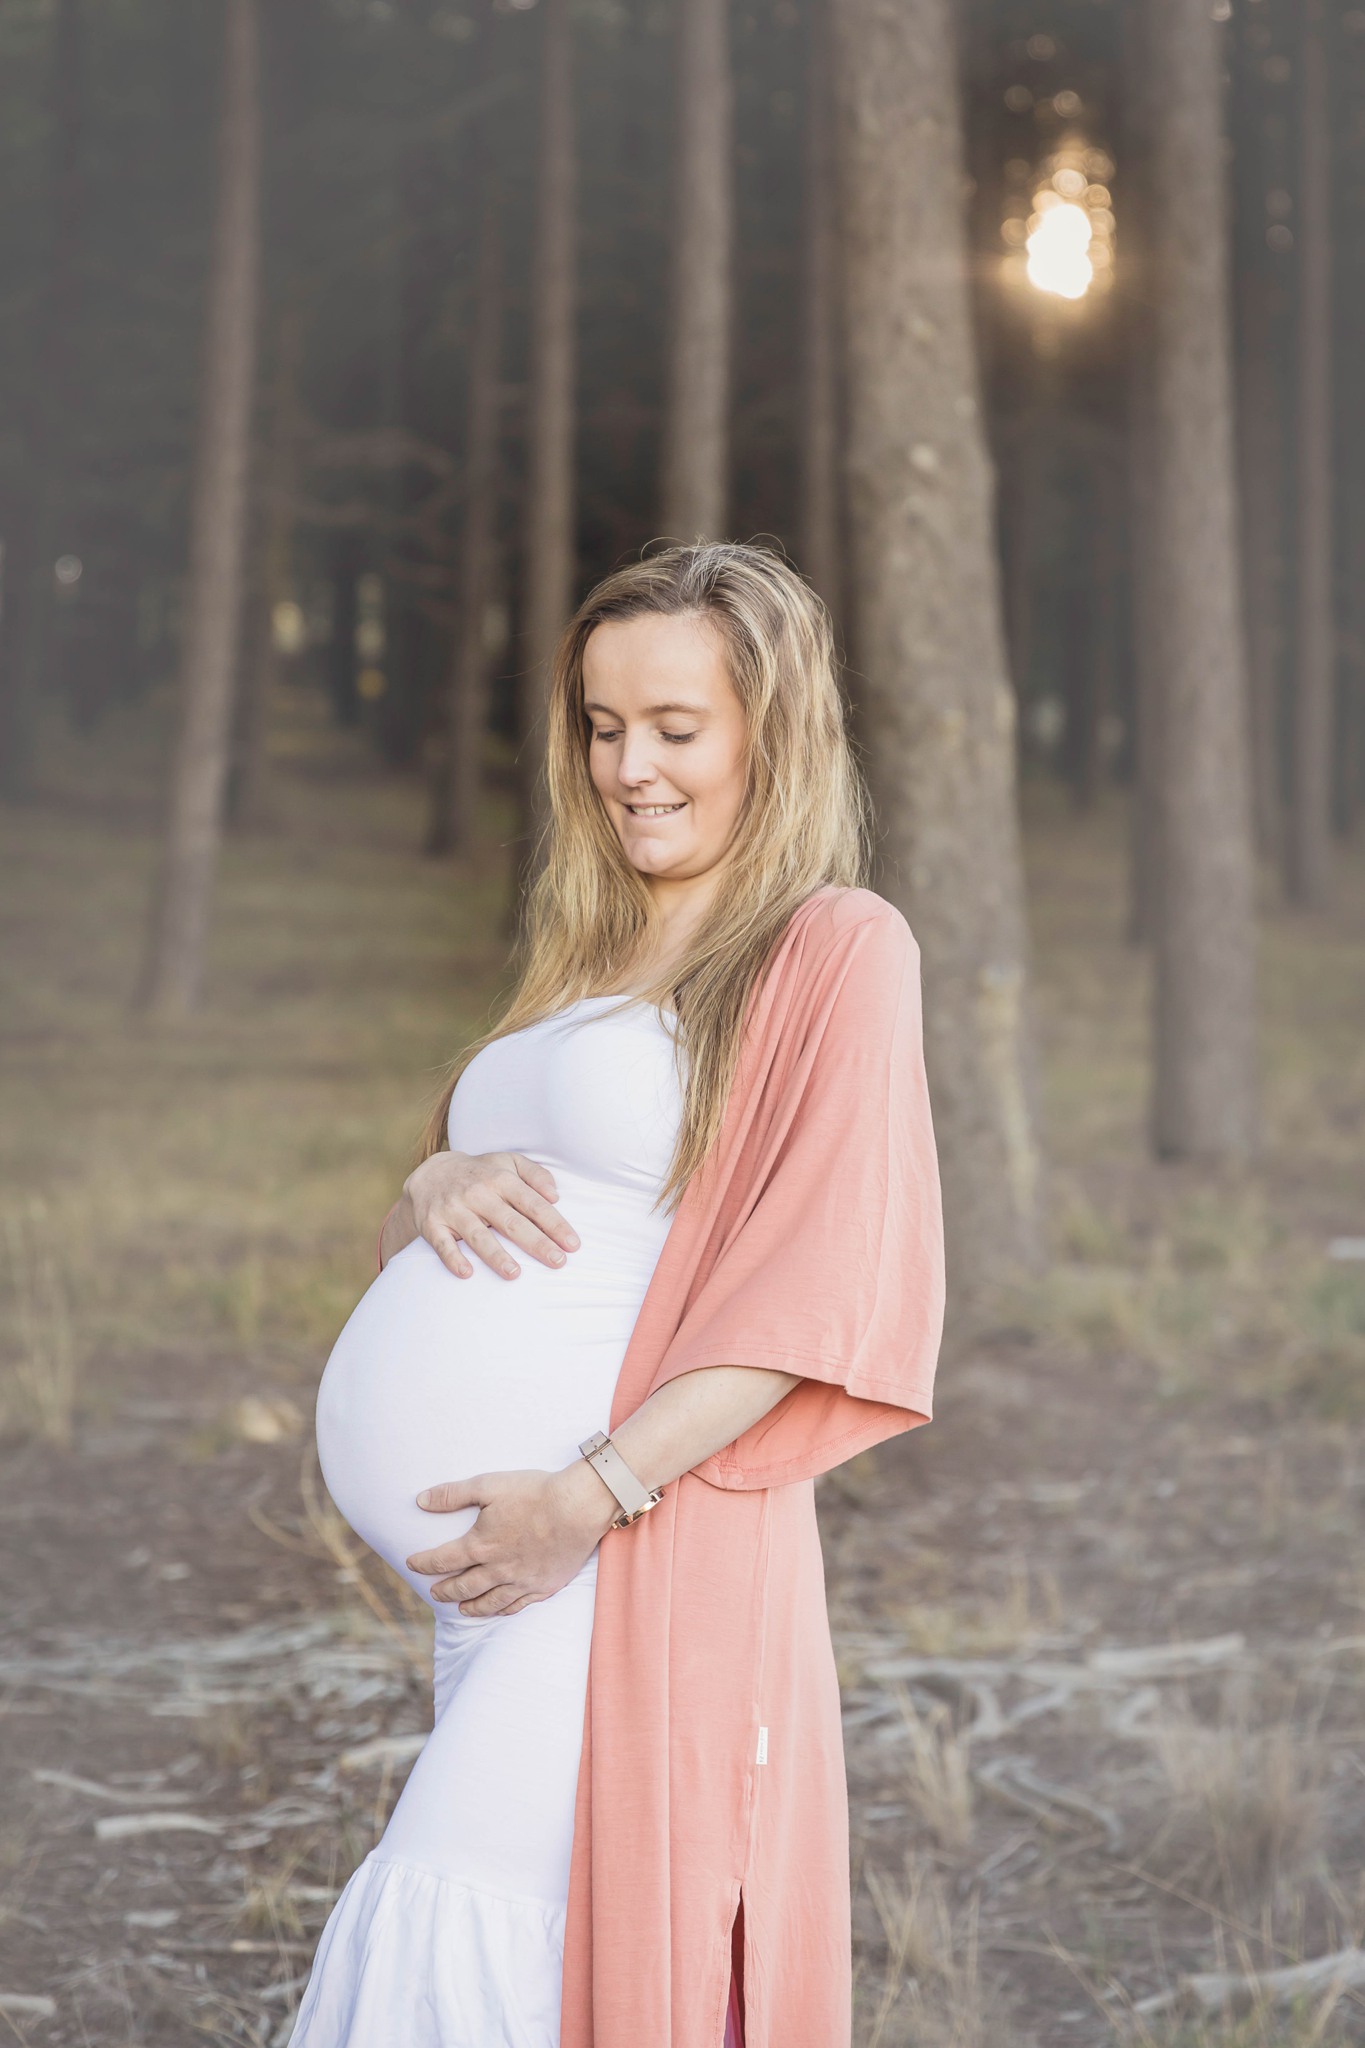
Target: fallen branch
{"type": "Point", "coordinates": [384, 1750]}
{"type": "Point", "coordinates": [1222, 1991]}
{"type": "Point", "coordinates": [64, 1781]}
{"type": "Point", "coordinates": [116, 1827]}
{"type": "Point", "coordinates": [1013, 1780]}
{"type": "Point", "coordinates": [21, 2005]}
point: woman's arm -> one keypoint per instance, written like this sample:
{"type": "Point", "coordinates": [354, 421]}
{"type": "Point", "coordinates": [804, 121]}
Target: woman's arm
{"type": "Point", "coordinates": [536, 1529]}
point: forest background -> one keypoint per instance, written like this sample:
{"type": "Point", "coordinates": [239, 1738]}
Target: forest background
{"type": "Point", "coordinates": [343, 345]}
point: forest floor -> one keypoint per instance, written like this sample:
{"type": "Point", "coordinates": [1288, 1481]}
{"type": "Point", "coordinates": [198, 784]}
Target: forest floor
{"type": "Point", "coordinates": [1101, 1626]}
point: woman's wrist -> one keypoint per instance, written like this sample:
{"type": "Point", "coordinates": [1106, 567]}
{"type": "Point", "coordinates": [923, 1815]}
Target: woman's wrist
{"type": "Point", "coordinates": [586, 1498]}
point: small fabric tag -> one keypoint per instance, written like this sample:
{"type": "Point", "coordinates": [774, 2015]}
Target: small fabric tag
{"type": "Point", "coordinates": [763, 1745]}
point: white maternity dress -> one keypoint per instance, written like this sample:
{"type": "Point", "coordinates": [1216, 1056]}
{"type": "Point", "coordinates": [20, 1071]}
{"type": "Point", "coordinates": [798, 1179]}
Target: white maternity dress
{"type": "Point", "coordinates": [450, 1934]}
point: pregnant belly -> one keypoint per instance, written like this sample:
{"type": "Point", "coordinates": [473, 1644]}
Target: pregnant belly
{"type": "Point", "coordinates": [435, 1378]}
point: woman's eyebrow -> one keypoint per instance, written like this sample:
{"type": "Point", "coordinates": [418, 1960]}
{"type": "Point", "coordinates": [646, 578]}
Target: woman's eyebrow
{"type": "Point", "coordinates": [653, 710]}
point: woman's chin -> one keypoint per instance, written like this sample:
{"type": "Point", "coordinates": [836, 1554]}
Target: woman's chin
{"type": "Point", "coordinates": [652, 855]}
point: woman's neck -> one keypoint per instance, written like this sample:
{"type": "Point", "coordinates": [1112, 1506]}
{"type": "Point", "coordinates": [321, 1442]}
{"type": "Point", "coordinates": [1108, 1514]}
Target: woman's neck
{"type": "Point", "coordinates": [682, 907]}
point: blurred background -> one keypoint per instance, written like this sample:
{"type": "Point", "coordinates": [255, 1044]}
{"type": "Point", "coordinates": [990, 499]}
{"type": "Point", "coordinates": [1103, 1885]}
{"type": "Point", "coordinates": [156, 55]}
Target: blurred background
{"type": "Point", "coordinates": [343, 345]}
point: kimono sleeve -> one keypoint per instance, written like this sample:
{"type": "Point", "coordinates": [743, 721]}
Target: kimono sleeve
{"type": "Point", "coordinates": [836, 1271]}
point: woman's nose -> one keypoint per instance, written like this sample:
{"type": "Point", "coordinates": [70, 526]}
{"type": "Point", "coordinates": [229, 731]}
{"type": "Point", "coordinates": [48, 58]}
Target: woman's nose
{"type": "Point", "coordinates": [636, 769]}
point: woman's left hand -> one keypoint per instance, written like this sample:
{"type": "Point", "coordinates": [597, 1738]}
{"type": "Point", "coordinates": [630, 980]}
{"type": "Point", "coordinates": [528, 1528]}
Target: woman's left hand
{"type": "Point", "coordinates": [534, 1531]}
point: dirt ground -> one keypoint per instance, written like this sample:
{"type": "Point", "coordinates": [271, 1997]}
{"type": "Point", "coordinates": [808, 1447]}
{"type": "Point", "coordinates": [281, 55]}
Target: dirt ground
{"type": "Point", "coordinates": [1101, 1626]}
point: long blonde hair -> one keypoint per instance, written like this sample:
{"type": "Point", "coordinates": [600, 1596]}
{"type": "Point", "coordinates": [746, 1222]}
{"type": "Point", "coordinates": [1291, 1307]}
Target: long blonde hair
{"type": "Point", "coordinates": [589, 914]}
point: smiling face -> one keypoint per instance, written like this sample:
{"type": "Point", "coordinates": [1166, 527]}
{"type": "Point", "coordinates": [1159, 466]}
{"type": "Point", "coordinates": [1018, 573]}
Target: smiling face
{"type": "Point", "coordinates": [669, 746]}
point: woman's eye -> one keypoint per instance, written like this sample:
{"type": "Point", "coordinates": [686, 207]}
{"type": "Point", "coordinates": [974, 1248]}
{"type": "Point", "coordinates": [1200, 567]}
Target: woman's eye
{"type": "Point", "coordinates": [679, 739]}
{"type": "Point", "coordinates": [605, 733]}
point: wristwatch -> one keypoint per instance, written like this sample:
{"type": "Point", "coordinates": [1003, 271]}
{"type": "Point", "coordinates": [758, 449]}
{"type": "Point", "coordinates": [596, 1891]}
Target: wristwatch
{"type": "Point", "coordinates": [602, 1454]}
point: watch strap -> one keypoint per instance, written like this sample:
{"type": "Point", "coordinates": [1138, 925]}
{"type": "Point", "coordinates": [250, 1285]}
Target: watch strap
{"type": "Point", "coordinates": [635, 1499]}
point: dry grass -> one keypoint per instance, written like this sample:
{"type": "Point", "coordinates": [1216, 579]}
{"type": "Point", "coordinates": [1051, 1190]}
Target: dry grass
{"type": "Point", "coordinates": [1266, 2026]}
{"type": "Point", "coordinates": [1220, 1272]}
{"type": "Point", "coordinates": [938, 1774]}
{"type": "Point", "coordinates": [1027, 1606]}
{"type": "Point", "coordinates": [1240, 1815]}
{"type": "Point", "coordinates": [40, 1381]}
{"type": "Point", "coordinates": [1219, 1281]}
{"type": "Point", "coordinates": [929, 1990]}
{"type": "Point", "coordinates": [370, 1590]}
{"type": "Point", "coordinates": [217, 1185]}
{"type": "Point", "coordinates": [271, 1908]}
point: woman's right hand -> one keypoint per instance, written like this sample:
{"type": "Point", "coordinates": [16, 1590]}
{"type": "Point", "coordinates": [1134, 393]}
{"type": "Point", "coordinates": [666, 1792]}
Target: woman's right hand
{"type": "Point", "coordinates": [465, 1198]}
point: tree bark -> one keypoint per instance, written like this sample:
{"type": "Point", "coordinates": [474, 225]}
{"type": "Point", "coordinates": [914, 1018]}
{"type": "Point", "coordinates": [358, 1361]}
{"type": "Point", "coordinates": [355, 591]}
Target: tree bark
{"type": "Point", "coordinates": [345, 561]}
{"type": "Point", "coordinates": [1261, 478]}
{"type": "Point", "coordinates": [1310, 824]}
{"type": "Point", "coordinates": [1137, 282]}
{"type": "Point", "coordinates": [938, 704]}
{"type": "Point", "coordinates": [455, 794]}
{"type": "Point", "coordinates": [248, 800]}
{"type": "Point", "coordinates": [550, 525]}
{"type": "Point", "coordinates": [696, 454]}
{"type": "Point", "coordinates": [36, 519]}
{"type": "Point", "coordinates": [1146, 831]}
{"type": "Point", "coordinates": [1204, 1094]}
{"type": "Point", "coordinates": [821, 521]}
{"type": "Point", "coordinates": [1262, 481]}
{"type": "Point", "coordinates": [173, 979]}
{"type": "Point", "coordinates": [1351, 745]}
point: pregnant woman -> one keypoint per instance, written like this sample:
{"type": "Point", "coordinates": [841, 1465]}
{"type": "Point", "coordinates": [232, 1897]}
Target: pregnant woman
{"type": "Point", "coordinates": [674, 1248]}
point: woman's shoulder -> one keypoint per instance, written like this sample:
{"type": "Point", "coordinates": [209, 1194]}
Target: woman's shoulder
{"type": "Point", "coordinates": [837, 910]}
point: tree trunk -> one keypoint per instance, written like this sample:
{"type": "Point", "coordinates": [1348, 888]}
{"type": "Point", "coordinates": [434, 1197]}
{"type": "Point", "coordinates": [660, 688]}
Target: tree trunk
{"type": "Point", "coordinates": [1109, 545]}
{"type": "Point", "coordinates": [1260, 476]}
{"type": "Point", "coordinates": [36, 520]}
{"type": "Point", "coordinates": [1310, 824]}
{"type": "Point", "coordinates": [248, 801]}
{"type": "Point", "coordinates": [1146, 834]}
{"type": "Point", "coordinates": [550, 528]}
{"type": "Point", "coordinates": [1082, 675]}
{"type": "Point", "coordinates": [345, 561]}
{"type": "Point", "coordinates": [174, 974]}
{"type": "Point", "coordinates": [821, 523]}
{"type": "Point", "coordinates": [1021, 481]}
{"type": "Point", "coordinates": [455, 794]}
{"type": "Point", "coordinates": [1351, 746]}
{"type": "Point", "coordinates": [696, 456]}
{"type": "Point", "coordinates": [939, 708]}
{"type": "Point", "coordinates": [1348, 71]}
{"type": "Point", "coordinates": [1204, 1096]}
{"type": "Point", "coordinates": [1137, 281]}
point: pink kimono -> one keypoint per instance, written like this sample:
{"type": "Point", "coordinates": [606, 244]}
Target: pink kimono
{"type": "Point", "coordinates": [713, 1764]}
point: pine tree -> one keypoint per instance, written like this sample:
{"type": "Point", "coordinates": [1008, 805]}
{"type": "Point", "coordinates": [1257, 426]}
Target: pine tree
{"type": "Point", "coordinates": [696, 454]}
{"type": "Point", "coordinates": [938, 709]}
{"type": "Point", "coordinates": [174, 973]}
{"type": "Point", "coordinates": [1204, 1093]}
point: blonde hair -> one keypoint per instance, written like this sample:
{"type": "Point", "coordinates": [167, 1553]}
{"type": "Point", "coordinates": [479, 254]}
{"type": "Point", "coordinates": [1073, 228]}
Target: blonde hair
{"type": "Point", "coordinates": [805, 823]}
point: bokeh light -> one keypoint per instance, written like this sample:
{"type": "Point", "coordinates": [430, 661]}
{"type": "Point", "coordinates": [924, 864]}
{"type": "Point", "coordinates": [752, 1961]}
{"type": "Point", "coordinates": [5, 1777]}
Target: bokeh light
{"type": "Point", "coordinates": [289, 627]}
{"type": "Point", "coordinates": [1059, 221]}
{"type": "Point", "coordinates": [1058, 251]}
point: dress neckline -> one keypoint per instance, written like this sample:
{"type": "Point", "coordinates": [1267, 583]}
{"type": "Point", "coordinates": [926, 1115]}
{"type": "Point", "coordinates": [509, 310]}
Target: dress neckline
{"type": "Point", "coordinates": [625, 996]}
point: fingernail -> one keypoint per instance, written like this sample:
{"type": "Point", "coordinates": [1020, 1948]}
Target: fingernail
{"type": "Point", "coordinates": [424, 1499]}
{"type": "Point", "coordinates": [574, 1240]}
{"type": "Point", "coordinates": [556, 1258]}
